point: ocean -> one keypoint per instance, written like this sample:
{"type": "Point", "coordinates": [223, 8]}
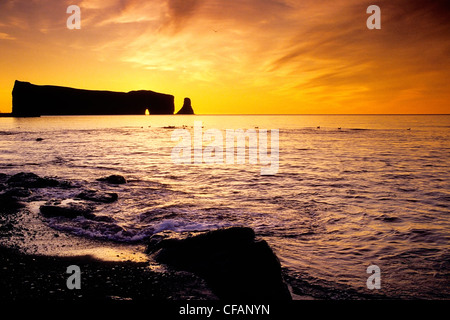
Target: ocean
{"type": "Point", "coordinates": [350, 191]}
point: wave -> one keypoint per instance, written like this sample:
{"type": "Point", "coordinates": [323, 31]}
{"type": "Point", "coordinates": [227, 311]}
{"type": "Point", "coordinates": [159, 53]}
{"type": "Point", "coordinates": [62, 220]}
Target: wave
{"type": "Point", "coordinates": [114, 232]}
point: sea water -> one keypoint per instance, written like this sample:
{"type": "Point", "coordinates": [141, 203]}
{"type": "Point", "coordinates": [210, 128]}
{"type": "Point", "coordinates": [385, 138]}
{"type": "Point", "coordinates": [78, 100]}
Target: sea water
{"type": "Point", "coordinates": [351, 191]}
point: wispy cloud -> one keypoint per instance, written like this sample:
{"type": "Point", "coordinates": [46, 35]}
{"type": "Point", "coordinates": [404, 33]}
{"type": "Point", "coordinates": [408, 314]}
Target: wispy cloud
{"type": "Point", "coordinates": [5, 36]}
{"type": "Point", "coordinates": [181, 11]}
{"type": "Point", "coordinates": [345, 61]}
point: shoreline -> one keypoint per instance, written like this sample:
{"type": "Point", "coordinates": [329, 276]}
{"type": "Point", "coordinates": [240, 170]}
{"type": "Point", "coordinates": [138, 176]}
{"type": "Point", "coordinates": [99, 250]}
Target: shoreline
{"type": "Point", "coordinates": [37, 277]}
{"type": "Point", "coordinates": [35, 257]}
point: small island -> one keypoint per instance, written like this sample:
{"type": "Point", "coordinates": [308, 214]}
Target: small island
{"type": "Point", "coordinates": [30, 100]}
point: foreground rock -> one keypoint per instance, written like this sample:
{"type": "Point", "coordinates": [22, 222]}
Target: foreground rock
{"type": "Point", "coordinates": [96, 196]}
{"type": "Point", "coordinates": [9, 203]}
{"type": "Point", "coordinates": [233, 262]}
{"type": "Point", "coordinates": [70, 210]}
{"type": "Point", "coordinates": [18, 192]}
{"type": "Point", "coordinates": [3, 177]}
{"type": "Point", "coordinates": [31, 180]}
{"type": "Point", "coordinates": [114, 179]}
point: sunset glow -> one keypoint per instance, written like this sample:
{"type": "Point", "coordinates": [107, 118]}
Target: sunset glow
{"type": "Point", "coordinates": [247, 56]}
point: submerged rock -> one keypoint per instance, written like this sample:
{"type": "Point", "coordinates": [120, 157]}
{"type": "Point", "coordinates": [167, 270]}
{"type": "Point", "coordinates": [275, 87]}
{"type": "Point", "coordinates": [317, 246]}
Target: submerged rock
{"type": "Point", "coordinates": [31, 180]}
{"type": "Point", "coordinates": [114, 179]}
{"type": "Point", "coordinates": [96, 196]}
{"type": "Point", "coordinates": [70, 210]}
{"type": "Point", "coordinates": [232, 261]}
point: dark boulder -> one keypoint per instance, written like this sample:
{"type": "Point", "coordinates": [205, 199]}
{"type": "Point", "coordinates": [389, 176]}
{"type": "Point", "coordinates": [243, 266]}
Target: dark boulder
{"type": "Point", "coordinates": [186, 108]}
{"type": "Point", "coordinates": [3, 177]}
{"type": "Point", "coordinates": [71, 210]}
{"type": "Point", "coordinates": [31, 180]}
{"type": "Point", "coordinates": [113, 179]}
{"type": "Point", "coordinates": [100, 218]}
{"type": "Point", "coordinates": [96, 196]}
{"type": "Point", "coordinates": [233, 262]}
{"type": "Point", "coordinates": [18, 192]}
{"type": "Point", "coordinates": [9, 203]}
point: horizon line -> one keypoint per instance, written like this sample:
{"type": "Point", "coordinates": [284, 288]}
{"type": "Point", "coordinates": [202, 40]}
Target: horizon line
{"type": "Point", "coordinates": [252, 114]}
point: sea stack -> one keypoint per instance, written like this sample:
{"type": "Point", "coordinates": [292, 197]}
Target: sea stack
{"type": "Point", "coordinates": [186, 108]}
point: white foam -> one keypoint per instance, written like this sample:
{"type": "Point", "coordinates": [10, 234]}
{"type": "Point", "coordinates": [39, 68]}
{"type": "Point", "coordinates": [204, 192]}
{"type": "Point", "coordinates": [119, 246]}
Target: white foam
{"type": "Point", "coordinates": [183, 226]}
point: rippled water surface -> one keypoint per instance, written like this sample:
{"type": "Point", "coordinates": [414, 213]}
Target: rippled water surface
{"type": "Point", "coordinates": [359, 190]}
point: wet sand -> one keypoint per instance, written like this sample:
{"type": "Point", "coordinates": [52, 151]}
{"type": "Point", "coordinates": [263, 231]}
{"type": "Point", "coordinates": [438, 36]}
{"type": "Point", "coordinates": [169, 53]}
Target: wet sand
{"type": "Point", "coordinates": [25, 276]}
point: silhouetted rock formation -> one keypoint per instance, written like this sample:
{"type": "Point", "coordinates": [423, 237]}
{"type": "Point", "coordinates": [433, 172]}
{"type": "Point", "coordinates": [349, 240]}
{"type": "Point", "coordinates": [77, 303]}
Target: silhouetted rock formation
{"type": "Point", "coordinates": [9, 203]}
{"type": "Point", "coordinates": [31, 180]}
{"type": "Point", "coordinates": [231, 260]}
{"type": "Point", "coordinates": [186, 108]}
{"type": "Point", "coordinates": [97, 196]}
{"type": "Point", "coordinates": [71, 210]}
{"type": "Point", "coordinates": [114, 179]}
{"type": "Point", "coordinates": [31, 100]}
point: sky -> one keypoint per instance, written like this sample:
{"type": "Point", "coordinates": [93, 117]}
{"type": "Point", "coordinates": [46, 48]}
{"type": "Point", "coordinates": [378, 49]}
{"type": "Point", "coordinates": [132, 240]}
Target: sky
{"type": "Point", "coordinates": [237, 56]}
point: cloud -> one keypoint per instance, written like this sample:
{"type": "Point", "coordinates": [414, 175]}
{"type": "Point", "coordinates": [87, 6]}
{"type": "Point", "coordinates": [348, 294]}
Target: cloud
{"type": "Point", "coordinates": [313, 50]}
{"type": "Point", "coordinates": [337, 54]}
{"type": "Point", "coordinates": [180, 11]}
{"type": "Point", "coordinates": [5, 36]}
{"type": "Point", "coordinates": [24, 19]}
{"type": "Point", "coordinates": [302, 48]}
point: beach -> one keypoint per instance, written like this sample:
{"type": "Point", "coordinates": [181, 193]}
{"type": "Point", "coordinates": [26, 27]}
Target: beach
{"type": "Point", "coordinates": [42, 263]}
{"type": "Point", "coordinates": [114, 274]}
{"type": "Point", "coordinates": [35, 277]}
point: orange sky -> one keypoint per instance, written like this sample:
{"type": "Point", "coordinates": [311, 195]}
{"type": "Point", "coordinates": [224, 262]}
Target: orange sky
{"type": "Point", "coordinates": [239, 56]}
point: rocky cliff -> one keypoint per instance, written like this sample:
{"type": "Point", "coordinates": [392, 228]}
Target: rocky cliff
{"type": "Point", "coordinates": [31, 100]}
